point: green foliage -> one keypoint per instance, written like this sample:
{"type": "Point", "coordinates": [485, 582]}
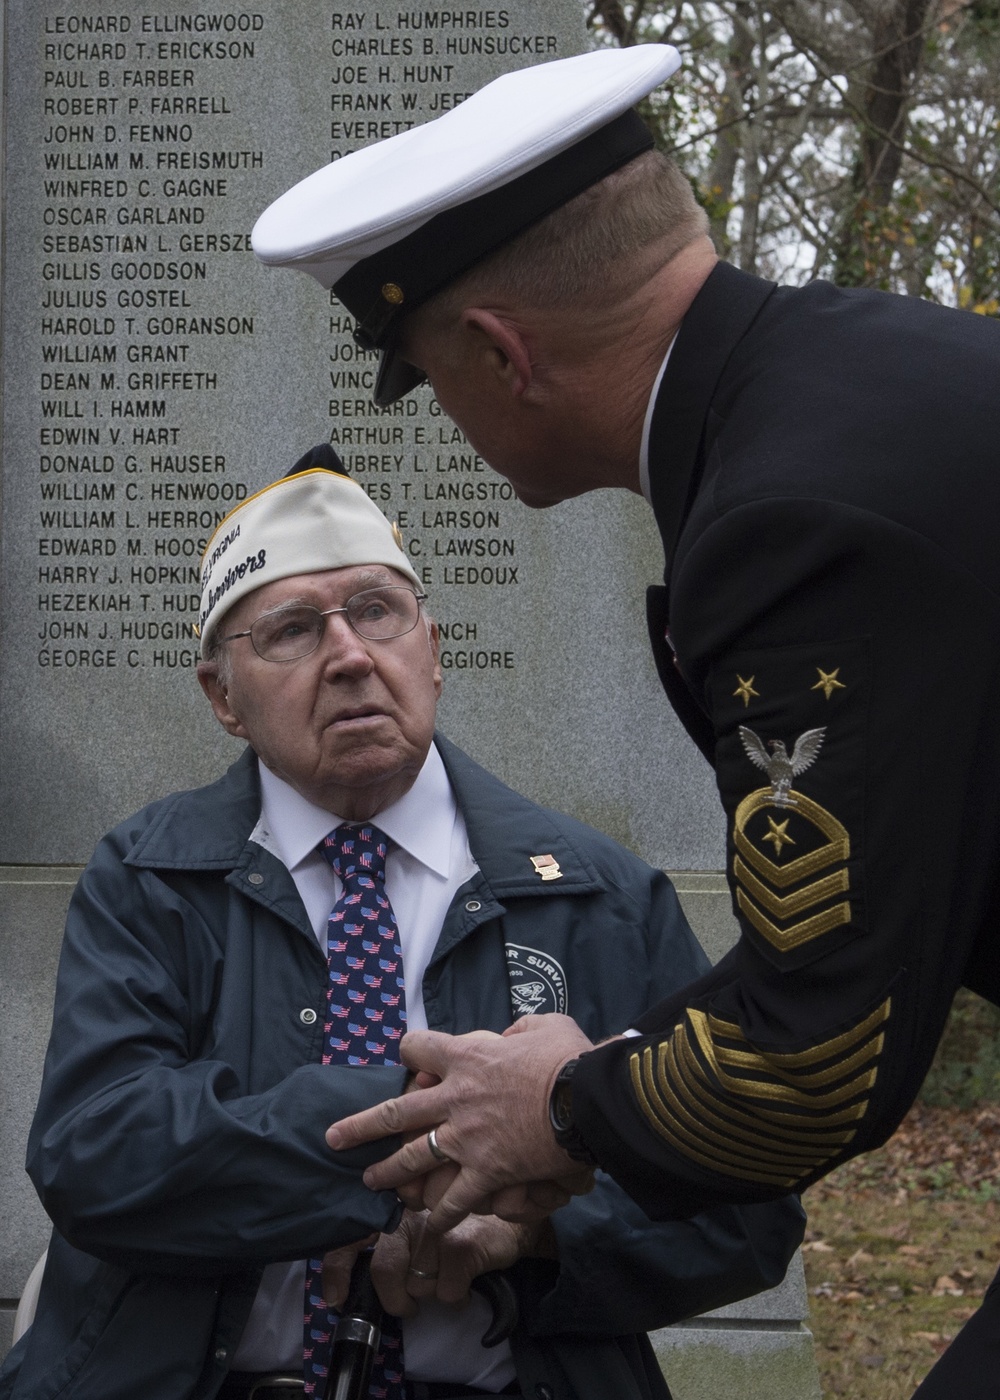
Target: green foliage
{"type": "Point", "coordinates": [966, 1068]}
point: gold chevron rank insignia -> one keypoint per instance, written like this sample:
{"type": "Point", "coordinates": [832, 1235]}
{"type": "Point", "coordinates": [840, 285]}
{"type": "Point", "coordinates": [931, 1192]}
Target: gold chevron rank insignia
{"type": "Point", "coordinates": [790, 864]}
{"type": "Point", "coordinates": [758, 1115]}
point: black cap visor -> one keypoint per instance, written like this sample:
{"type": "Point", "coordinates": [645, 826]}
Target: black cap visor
{"type": "Point", "coordinates": [396, 377]}
{"type": "Point", "coordinates": [381, 289]}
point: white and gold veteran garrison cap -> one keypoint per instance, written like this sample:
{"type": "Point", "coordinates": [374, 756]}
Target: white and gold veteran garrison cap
{"type": "Point", "coordinates": [388, 226]}
{"type": "Point", "coordinates": [313, 519]}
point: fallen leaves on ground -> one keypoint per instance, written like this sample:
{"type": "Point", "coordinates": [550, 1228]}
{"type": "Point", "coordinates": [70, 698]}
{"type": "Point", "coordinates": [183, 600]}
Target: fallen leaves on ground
{"type": "Point", "coordinates": [900, 1247]}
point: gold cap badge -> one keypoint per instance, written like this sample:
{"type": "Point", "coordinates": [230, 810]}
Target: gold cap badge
{"type": "Point", "coordinates": [392, 292]}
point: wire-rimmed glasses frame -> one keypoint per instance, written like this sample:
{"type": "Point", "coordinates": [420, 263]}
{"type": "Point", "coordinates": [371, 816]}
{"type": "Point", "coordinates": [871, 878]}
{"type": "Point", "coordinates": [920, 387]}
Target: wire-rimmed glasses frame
{"type": "Point", "coordinates": [294, 630]}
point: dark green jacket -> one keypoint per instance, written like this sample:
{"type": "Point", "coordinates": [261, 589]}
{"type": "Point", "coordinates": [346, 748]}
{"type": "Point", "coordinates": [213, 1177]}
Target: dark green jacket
{"type": "Point", "coordinates": [178, 1142]}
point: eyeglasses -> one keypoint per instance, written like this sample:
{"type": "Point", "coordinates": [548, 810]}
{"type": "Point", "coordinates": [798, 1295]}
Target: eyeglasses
{"type": "Point", "coordinates": [376, 615]}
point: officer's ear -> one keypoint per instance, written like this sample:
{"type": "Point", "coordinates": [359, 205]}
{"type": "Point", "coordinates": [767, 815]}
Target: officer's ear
{"type": "Point", "coordinates": [506, 351]}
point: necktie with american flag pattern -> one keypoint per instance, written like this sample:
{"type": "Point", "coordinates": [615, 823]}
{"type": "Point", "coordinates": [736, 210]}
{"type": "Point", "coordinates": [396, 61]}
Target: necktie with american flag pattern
{"type": "Point", "coordinates": [365, 1020]}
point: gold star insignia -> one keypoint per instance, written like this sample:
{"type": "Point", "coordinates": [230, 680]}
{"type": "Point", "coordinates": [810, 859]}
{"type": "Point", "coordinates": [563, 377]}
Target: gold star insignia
{"type": "Point", "coordinates": [828, 682]}
{"type": "Point", "coordinates": [745, 689]}
{"type": "Point", "coordinates": [778, 835]}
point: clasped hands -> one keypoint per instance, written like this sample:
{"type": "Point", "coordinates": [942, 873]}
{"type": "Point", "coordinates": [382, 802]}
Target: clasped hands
{"type": "Point", "coordinates": [486, 1096]}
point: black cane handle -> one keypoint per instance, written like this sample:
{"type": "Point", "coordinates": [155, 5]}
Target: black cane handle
{"type": "Point", "coordinates": [362, 1300]}
{"type": "Point", "coordinates": [498, 1291]}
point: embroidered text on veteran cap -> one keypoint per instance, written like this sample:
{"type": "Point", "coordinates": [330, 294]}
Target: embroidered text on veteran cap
{"type": "Point", "coordinates": [388, 226]}
{"type": "Point", "coordinates": [313, 519]}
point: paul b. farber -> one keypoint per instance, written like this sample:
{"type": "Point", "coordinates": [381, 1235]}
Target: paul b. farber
{"type": "Point", "coordinates": [537, 981]}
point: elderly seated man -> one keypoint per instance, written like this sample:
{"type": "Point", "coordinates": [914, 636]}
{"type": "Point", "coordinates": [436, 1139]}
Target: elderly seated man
{"type": "Point", "coordinates": [239, 966]}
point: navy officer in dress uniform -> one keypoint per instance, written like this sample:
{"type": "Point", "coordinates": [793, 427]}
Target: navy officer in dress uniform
{"type": "Point", "coordinates": [823, 468]}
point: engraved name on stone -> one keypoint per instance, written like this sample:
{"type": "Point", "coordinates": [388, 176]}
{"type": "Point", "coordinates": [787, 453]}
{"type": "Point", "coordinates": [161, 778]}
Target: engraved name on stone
{"type": "Point", "coordinates": [140, 156]}
{"type": "Point", "coordinates": [155, 375]}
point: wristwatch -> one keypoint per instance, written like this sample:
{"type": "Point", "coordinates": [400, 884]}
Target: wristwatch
{"type": "Point", "coordinates": [566, 1133]}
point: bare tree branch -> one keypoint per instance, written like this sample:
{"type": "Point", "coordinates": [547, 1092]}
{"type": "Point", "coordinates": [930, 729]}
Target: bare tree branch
{"type": "Point", "coordinates": [800, 121]}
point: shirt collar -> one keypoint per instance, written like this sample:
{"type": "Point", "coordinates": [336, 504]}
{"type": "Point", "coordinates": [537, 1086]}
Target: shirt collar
{"type": "Point", "coordinates": [421, 821]}
{"type": "Point", "coordinates": [647, 425]}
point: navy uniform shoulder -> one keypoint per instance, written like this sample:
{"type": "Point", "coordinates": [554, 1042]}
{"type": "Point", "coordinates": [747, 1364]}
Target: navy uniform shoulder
{"type": "Point", "coordinates": [842, 336]}
{"type": "Point", "coordinates": [855, 397]}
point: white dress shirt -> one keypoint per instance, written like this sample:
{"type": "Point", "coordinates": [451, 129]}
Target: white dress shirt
{"type": "Point", "coordinates": [632, 1033]}
{"type": "Point", "coordinates": [647, 425]}
{"type": "Point", "coordinates": [427, 862]}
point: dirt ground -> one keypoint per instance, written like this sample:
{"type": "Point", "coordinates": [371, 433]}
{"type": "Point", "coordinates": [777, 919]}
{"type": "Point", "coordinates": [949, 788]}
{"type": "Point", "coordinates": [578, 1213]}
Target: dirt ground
{"type": "Point", "coordinates": [901, 1245]}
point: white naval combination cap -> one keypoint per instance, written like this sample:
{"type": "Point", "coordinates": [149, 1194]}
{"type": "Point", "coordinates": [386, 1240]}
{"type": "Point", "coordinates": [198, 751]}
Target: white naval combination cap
{"type": "Point", "coordinates": [313, 519]}
{"type": "Point", "coordinates": [388, 226]}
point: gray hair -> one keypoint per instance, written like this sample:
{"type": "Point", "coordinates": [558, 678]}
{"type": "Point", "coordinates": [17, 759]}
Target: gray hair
{"type": "Point", "coordinates": [219, 654]}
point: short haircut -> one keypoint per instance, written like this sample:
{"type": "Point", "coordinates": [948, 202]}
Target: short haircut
{"type": "Point", "coordinates": [589, 251]}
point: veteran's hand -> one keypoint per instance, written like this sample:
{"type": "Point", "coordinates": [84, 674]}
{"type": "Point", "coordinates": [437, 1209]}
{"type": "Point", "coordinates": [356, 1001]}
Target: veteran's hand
{"type": "Point", "coordinates": [412, 1263]}
{"type": "Point", "coordinates": [337, 1266]}
{"type": "Point", "coordinates": [489, 1112]}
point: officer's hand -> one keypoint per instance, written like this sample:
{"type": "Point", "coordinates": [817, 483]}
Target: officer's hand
{"type": "Point", "coordinates": [536, 1200]}
{"type": "Point", "coordinates": [490, 1111]}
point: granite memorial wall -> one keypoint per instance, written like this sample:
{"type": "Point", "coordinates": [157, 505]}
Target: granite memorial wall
{"type": "Point", "coordinates": [154, 375]}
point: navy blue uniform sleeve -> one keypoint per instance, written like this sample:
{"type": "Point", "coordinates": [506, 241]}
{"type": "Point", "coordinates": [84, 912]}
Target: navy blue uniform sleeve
{"type": "Point", "coordinates": [618, 1271]}
{"type": "Point", "coordinates": [146, 1148]}
{"type": "Point", "coordinates": [847, 664]}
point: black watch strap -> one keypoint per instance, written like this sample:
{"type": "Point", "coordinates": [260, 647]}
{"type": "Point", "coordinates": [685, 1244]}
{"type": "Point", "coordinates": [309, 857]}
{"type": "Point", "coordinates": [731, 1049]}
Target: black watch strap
{"type": "Point", "coordinates": [561, 1116]}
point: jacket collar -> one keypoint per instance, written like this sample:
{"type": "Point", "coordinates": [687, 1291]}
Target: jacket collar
{"type": "Point", "coordinates": [206, 828]}
{"type": "Point", "coordinates": [717, 319]}
{"type": "Point", "coordinates": [506, 830]}
{"type": "Point", "coordinates": [209, 829]}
